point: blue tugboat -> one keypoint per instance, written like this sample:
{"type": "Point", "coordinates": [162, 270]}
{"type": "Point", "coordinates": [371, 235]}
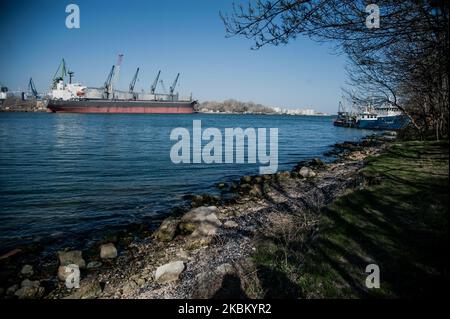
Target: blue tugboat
{"type": "Point", "coordinates": [387, 117]}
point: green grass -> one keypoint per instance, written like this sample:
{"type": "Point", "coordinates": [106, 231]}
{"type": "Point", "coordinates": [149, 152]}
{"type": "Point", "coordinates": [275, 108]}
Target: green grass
{"type": "Point", "coordinates": [400, 224]}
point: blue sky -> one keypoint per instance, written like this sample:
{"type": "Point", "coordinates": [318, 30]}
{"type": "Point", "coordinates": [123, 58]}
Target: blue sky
{"type": "Point", "coordinates": [174, 36]}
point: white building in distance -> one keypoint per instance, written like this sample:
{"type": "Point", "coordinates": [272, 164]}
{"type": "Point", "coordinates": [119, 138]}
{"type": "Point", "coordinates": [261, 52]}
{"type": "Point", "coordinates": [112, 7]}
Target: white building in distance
{"type": "Point", "coordinates": [294, 111]}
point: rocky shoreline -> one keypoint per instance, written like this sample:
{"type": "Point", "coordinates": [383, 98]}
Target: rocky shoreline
{"type": "Point", "coordinates": [203, 253]}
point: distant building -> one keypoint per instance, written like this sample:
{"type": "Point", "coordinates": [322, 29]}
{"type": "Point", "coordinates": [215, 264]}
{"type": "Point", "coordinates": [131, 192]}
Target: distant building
{"type": "Point", "coordinates": [294, 111]}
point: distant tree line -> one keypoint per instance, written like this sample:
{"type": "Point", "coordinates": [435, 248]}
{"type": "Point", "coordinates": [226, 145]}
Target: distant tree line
{"type": "Point", "coordinates": [404, 61]}
{"type": "Point", "coordinates": [233, 106]}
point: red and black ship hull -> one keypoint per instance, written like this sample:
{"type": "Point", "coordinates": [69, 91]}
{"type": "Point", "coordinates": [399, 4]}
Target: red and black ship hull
{"type": "Point", "coordinates": [117, 106]}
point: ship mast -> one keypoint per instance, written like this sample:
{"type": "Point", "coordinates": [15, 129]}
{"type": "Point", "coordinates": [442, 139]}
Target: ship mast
{"type": "Point", "coordinates": [340, 108]}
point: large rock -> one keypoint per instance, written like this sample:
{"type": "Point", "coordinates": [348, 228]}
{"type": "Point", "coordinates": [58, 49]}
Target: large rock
{"type": "Point", "coordinates": [245, 188]}
{"type": "Point", "coordinates": [30, 290]}
{"type": "Point", "coordinates": [129, 288]}
{"type": "Point", "coordinates": [202, 219]}
{"type": "Point", "coordinates": [317, 162]}
{"type": "Point", "coordinates": [246, 179]}
{"type": "Point", "coordinates": [306, 172]}
{"type": "Point", "coordinates": [204, 199]}
{"type": "Point", "coordinates": [27, 271]}
{"type": "Point", "coordinates": [258, 179]}
{"type": "Point", "coordinates": [256, 191]}
{"type": "Point", "coordinates": [204, 230]}
{"type": "Point", "coordinates": [11, 290]}
{"type": "Point", "coordinates": [166, 232]}
{"type": "Point", "coordinates": [108, 251]}
{"type": "Point", "coordinates": [169, 272]}
{"type": "Point", "coordinates": [222, 282]}
{"type": "Point", "coordinates": [65, 271]}
{"type": "Point", "coordinates": [71, 257]}
{"type": "Point", "coordinates": [283, 175]}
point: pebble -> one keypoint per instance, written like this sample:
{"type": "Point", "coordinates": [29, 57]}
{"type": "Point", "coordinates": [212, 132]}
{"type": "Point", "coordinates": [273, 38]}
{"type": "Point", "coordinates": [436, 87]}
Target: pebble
{"type": "Point", "coordinates": [94, 264]}
{"type": "Point", "coordinates": [230, 224]}
{"type": "Point", "coordinates": [169, 272]}
{"type": "Point", "coordinates": [108, 251]}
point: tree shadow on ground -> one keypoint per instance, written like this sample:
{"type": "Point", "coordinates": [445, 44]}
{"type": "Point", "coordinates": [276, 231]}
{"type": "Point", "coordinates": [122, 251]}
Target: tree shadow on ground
{"type": "Point", "coordinates": [401, 225]}
{"type": "Point", "coordinates": [276, 285]}
{"type": "Point", "coordinates": [231, 288]}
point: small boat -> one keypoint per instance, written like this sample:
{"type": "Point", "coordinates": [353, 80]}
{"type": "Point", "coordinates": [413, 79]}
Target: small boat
{"type": "Point", "coordinates": [344, 118]}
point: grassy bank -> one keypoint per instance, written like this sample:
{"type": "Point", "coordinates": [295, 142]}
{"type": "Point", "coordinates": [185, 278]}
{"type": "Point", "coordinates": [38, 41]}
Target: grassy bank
{"type": "Point", "coordinates": [398, 221]}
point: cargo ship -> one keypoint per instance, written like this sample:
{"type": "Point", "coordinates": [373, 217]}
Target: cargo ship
{"type": "Point", "coordinates": [75, 98]}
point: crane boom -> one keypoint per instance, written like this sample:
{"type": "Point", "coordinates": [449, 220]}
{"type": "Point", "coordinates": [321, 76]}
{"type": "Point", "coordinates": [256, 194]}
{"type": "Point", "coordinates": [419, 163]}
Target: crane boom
{"type": "Point", "coordinates": [133, 81]}
{"type": "Point", "coordinates": [155, 83]}
{"type": "Point", "coordinates": [108, 86]}
{"type": "Point", "coordinates": [172, 88]}
{"type": "Point", "coordinates": [60, 73]}
{"type": "Point", "coordinates": [32, 88]}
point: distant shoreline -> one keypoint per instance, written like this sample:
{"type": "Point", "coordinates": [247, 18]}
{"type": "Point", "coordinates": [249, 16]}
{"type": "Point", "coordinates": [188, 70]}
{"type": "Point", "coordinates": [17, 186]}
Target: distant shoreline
{"type": "Point", "coordinates": [16, 104]}
{"type": "Point", "coordinates": [238, 113]}
{"type": "Point", "coordinates": [40, 110]}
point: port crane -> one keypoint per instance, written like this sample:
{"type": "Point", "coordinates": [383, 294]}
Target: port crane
{"type": "Point", "coordinates": [172, 88]}
{"type": "Point", "coordinates": [133, 81]}
{"type": "Point", "coordinates": [59, 74]}
{"type": "Point", "coordinates": [32, 88]}
{"type": "Point", "coordinates": [108, 84]}
{"type": "Point", "coordinates": [155, 83]}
